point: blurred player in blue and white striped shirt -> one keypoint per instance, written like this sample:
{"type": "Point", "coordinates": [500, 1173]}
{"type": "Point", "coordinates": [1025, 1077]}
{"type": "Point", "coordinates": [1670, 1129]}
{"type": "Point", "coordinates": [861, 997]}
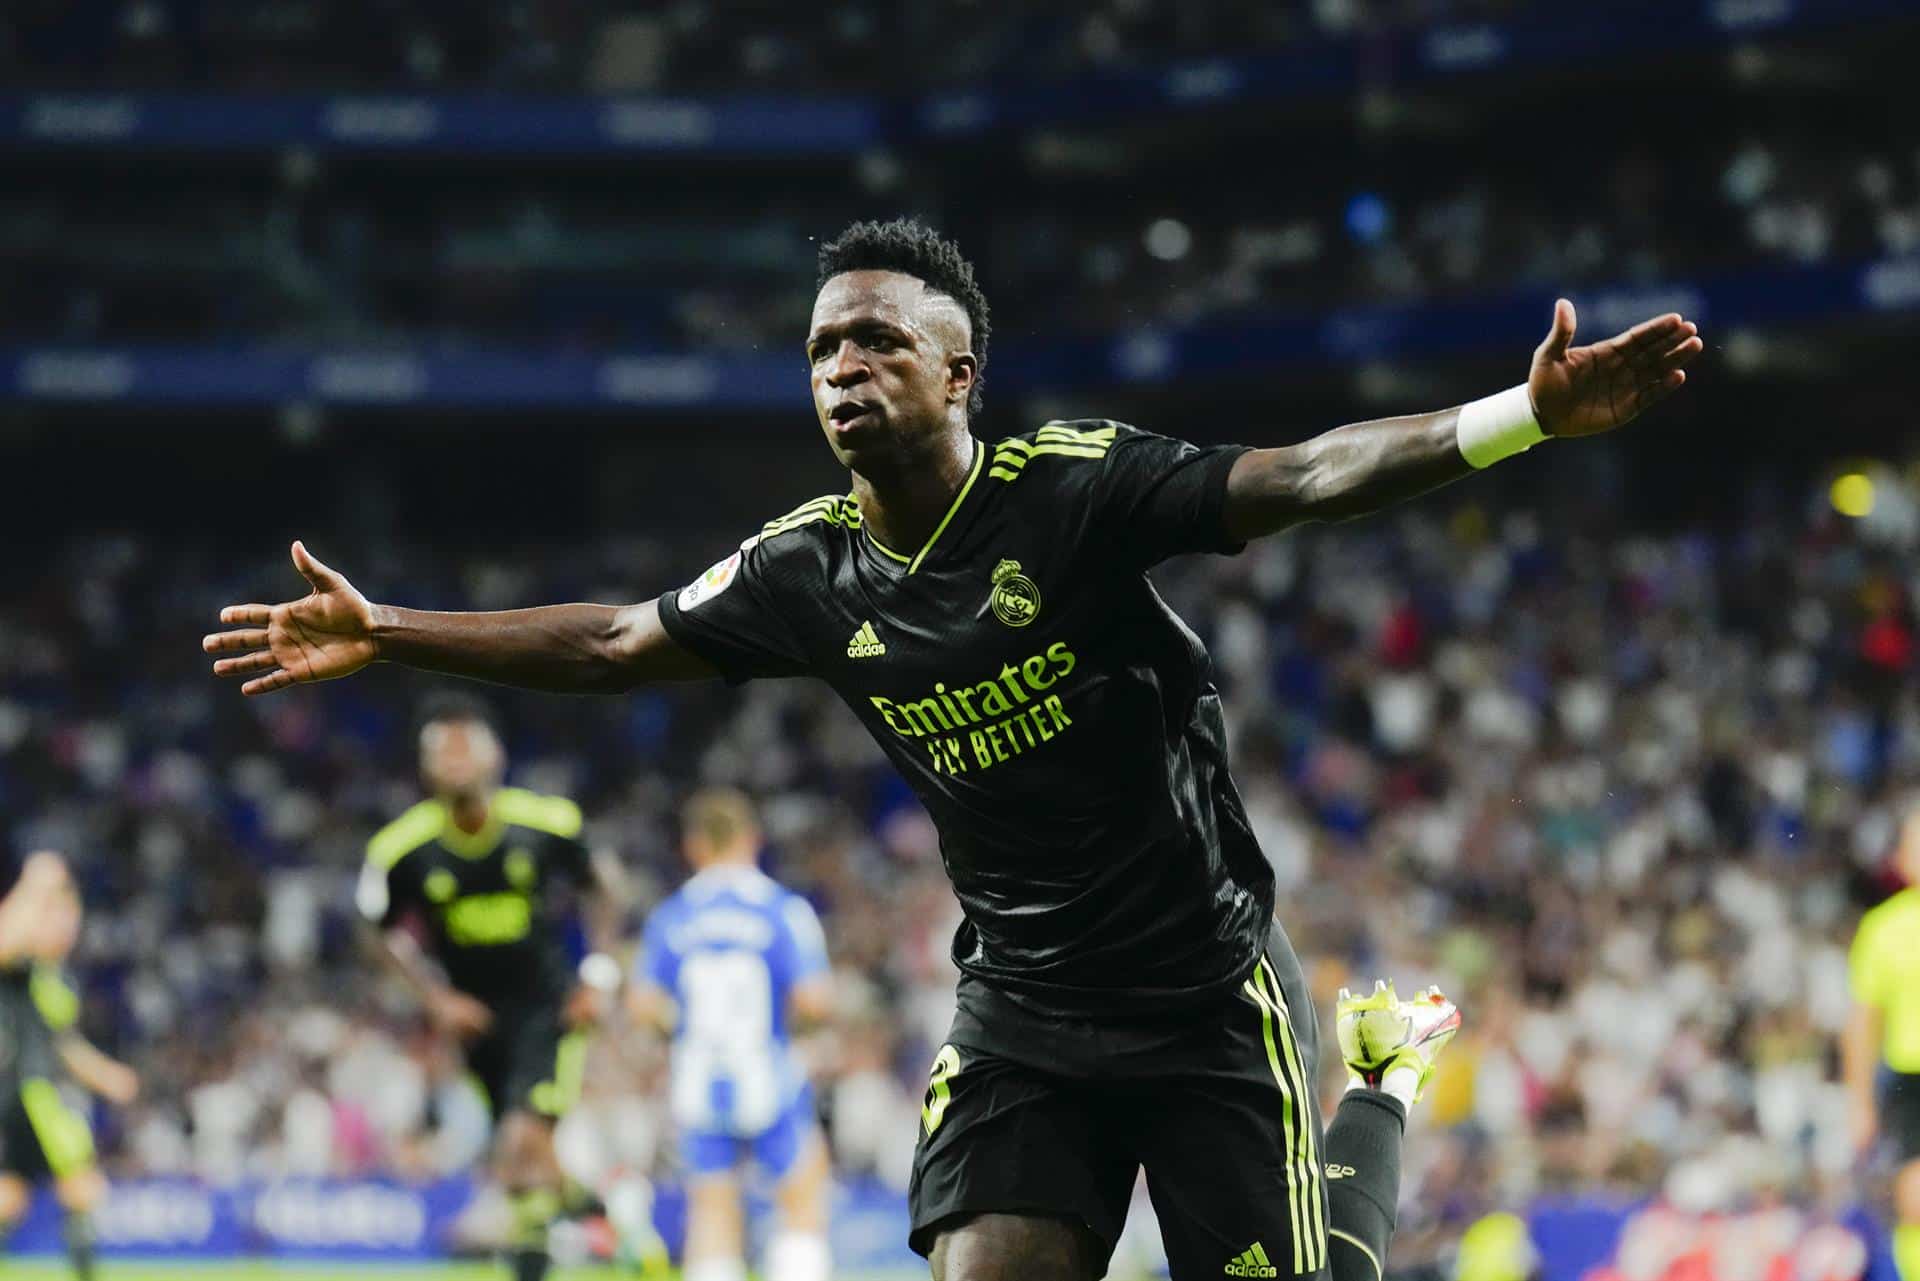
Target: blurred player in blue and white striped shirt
{"type": "Point", "coordinates": [730, 963]}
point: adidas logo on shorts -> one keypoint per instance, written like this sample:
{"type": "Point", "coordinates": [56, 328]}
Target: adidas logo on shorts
{"type": "Point", "coordinates": [866, 643]}
{"type": "Point", "coordinates": [1252, 1262]}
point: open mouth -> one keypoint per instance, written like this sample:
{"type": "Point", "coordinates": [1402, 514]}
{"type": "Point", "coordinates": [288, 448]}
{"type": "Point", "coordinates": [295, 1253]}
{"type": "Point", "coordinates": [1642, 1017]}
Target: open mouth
{"type": "Point", "coordinates": [848, 412]}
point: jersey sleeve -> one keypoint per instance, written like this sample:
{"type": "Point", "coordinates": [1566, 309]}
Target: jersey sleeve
{"type": "Point", "coordinates": [656, 962]}
{"type": "Point", "coordinates": [803, 944]}
{"type": "Point", "coordinates": [569, 860]}
{"type": "Point", "coordinates": [564, 853]}
{"type": "Point", "coordinates": [738, 616]}
{"type": "Point", "coordinates": [389, 884]}
{"type": "Point", "coordinates": [1866, 973]}
{"type": "Point", "coordinates": [385, 892]}
{"type": "Point", "coordinates": [1157, 497]}
{"type": "Point", "coordinates": [54, 998]}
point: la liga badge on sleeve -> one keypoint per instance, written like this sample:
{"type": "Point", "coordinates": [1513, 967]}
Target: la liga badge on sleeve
{"type": "Point", "coordinates": [717, 579]}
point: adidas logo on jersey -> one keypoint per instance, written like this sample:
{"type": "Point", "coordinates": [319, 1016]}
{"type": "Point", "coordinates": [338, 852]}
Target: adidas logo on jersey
{"type": "Point", "coordinates": [865, 643]}
{"type": "Point", "coordinates": [1253, 1262]}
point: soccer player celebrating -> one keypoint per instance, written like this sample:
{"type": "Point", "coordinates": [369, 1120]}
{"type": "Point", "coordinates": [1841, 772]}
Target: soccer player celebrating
{"type": "Point", "coordinates": [1126, 997]}
{"type": "Point", "coordinates": [40, 1137]}
{"type": "Point", "coordinates": [473, 867]}
{"type": "Point", "coordinates": [1884, 1029]}
{"type": "Point", "coordinates": [727, 964]}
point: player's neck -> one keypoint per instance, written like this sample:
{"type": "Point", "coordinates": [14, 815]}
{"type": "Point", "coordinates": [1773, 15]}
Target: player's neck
{"type": "Point", "coordinates": [903, 506]}
{"type": "Point", "coordinates": [469, 811]}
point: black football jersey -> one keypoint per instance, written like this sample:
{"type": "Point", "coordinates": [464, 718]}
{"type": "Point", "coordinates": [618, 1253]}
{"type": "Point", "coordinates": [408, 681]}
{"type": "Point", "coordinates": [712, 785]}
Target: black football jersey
{"type": "Point", "coordinates": [1057, 719]}
{"type": "Point", "coordinates": [37, 1009]}
{"type": "Point", "coordinates": [482, 896]}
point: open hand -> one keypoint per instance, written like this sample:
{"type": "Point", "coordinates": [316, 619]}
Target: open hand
{"type": "Point", "coordinates": [119, 1084]}
{"type": "Point", "coordinates": [326, 634]}
{"type": "Point", "coordinates": [1581, 391]}
{"type": "Point", "coordinates": [457, 1014]}
{"type": "Point", "coordinates": [585, 1006]}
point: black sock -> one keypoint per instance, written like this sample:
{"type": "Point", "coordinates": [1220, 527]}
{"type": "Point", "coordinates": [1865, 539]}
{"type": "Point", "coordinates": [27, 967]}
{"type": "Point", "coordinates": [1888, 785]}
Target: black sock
{"type": "Point", "coordinates": [530, 1263]}
{"type": "Point", "coordinates": [77, 1229]}
{"type": "Point", "coordinates": [1363, 1182]}
{"type": "Point", "coordinates": [534, 1210]}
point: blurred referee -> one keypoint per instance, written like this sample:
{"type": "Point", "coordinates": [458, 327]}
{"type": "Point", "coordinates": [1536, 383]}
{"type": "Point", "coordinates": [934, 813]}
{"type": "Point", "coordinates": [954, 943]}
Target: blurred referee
{"type": "Point", "coordinates": [1884, 1028]}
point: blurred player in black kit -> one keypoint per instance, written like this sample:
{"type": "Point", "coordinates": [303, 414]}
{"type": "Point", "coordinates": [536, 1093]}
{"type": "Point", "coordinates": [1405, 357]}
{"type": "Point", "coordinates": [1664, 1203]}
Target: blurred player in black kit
{"type": "Point", "coordinates": [473, 869]}
{"type": "Point", "coordinates": [41, 1048]}
{"type": "Point", "coordinates": [983, 606]}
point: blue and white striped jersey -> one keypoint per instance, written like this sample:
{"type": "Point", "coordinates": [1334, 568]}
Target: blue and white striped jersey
{"type": "Point", "coordinates": [730, 946]}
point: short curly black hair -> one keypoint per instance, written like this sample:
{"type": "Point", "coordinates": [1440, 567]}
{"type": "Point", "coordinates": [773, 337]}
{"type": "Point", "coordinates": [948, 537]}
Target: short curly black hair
{"type": "Point", "coordinates": [455, 706]}
{"type": "Point", "coordinates": [909, 246]}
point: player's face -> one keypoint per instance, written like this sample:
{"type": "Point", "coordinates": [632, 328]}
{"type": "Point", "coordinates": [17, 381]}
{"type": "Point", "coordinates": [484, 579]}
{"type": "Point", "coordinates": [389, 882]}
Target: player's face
{"type": "Point", "coordinates": [459, 757]}
{"type": "Point", "coordinates": [889, 364]}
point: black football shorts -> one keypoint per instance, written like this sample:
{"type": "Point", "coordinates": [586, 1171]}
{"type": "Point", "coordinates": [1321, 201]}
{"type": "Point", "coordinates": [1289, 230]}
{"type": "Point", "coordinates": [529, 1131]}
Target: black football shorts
{"type": "Point", "coordinates": [1900, 1115]}
{"type": "Point", "coordinates": [527, 1060]}
{"type": "Point", "coordinates": [40, 1136]}
{"type": "Point", "coordinates": [1026, 1114]}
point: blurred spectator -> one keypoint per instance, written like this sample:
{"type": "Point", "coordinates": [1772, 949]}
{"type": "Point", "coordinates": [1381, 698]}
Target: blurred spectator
{"type": "Point", "coordinates": [560, 261]}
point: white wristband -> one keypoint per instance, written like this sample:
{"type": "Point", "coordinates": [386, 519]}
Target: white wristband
{"type": "Point", "coordinates": [600, 972]}
{"type": "Point", "coordinates": [1497, 427]}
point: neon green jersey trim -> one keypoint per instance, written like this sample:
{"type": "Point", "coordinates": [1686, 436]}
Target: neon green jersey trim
{"type": "Point", "coordinates": [886, 550]}
{"type": "Point", "coordinates": [973, 474]}
{"type": "Point", "coordinates": [58, 1004]}
{"type": "Point", "coordinates": [65, 1140]}
{"type": "Point", "coordinates": [406, 834]}
{"type": "Point", "coordinates": [555, 815]}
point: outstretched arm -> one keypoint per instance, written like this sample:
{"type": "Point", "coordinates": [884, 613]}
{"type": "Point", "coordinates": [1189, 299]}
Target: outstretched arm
{"type": "Point", "coordinates": [334, 631]}
{"type": "Point", "coordinates": [1360, 468]}
{"type": "Point", "coordinates": [1859, 1057]}
{"type": "Point", "coordinates": [605, 899]}
{"type": "Point", "coordinates": [98, 1074]}
{"type": "Point", "coordinates": [449, 1009]}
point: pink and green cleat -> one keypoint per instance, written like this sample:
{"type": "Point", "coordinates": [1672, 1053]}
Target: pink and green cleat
{"type": "Point", "coordinates": [1380, 1033]}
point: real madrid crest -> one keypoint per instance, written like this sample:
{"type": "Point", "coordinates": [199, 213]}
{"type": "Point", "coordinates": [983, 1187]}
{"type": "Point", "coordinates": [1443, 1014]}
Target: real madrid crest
{"type": "Point", "coordinates": [1016, 598]}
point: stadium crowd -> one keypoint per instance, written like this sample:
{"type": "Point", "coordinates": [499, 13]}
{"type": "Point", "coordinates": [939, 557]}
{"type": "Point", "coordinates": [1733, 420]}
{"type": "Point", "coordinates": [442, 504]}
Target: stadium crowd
{"type": "Point", "coordinates": [622, 46]}
{"type": "Point", "coordinates": [1622, 792]}
{"type": "Point", "coordinates": [574, 262]}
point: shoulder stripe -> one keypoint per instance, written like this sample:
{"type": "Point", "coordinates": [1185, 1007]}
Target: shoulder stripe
{"type": "Point", "coordinates": [813, 507]}
{"type": "Point", "coordinates": [1010, 456]}
{"type": "Point", "coordinates": [1076, 435]}
{"type": "Point", "coordinates": [406, 834]}
{"type": "Point", "coordinates": [812, 504]}
{"type": "Point", "coordinates": [555, 815]}
{"type": "Point", "coordinates": [840, 510]}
